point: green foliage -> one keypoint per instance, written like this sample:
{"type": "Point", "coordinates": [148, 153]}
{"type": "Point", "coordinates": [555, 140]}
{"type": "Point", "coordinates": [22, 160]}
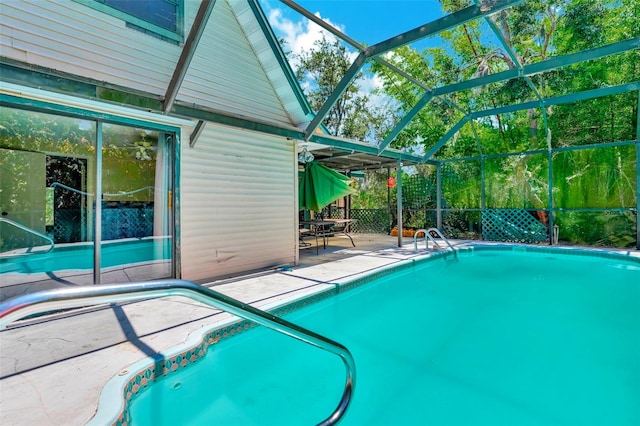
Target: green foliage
{"type": "Point", "coordinates": [598, 228]}
{"type": "Point", "coordinates": [602, 178]}
{"type": "Point", "coordinates": [128, 153]}
{"type": "Point", "coordinates": [517, 182]}
{"type": "Point", "coordinates": [372, 191]}
{"type": "Point", "coordinates": [461, 184]}
{"type": "Point", "coordinates": [533, 31]}
{"type": "Point", "coordinates": [28, 131]}
{"type": "Point", "coordinates": [353, 116]}
{"type": "Point", "coordinates": [583, 22]}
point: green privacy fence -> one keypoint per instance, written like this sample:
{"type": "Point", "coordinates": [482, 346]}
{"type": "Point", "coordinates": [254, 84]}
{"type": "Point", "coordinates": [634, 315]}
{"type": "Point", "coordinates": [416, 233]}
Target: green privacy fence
{"type": "Point", "coordinates": [376, 221]}
{"type": "Point", "coordinates": [513, 225]}
{"type": "Point", "coordinates": [589, 196]}
{"type": "Point", "coordinates": [586, 195]}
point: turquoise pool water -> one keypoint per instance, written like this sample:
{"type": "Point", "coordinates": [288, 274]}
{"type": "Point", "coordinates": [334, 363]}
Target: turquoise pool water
{"type": "Point", "coordinates": [80, 256]}
{"type": "Point", "coordinates": [496, 338]}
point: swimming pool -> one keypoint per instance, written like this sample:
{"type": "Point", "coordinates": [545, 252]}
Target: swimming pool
{"type": "Point", "coordinates": [496, 337]}
{"type": "Point", "coordinates": [80, 256]}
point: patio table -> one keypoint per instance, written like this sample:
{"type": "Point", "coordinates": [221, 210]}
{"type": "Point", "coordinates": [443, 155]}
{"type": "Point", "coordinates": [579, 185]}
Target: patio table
{"type": "Point", "coordinates": [326, 228]}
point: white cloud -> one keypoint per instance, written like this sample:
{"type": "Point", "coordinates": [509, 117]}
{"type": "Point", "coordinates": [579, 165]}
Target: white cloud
{"type": "Point", "coordinates": [371, 82]}
{"type": "Point", "coordinates": [300, 35]}
{"type": "Point", "coordinates": [306, 85]}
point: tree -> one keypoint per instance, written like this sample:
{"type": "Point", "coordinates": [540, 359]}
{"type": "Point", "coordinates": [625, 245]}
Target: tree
{"type": "Point", "coordinates": [320, 69]}
{"type": "Point", "coordinates": [354, 116]}
{"type": "Point", "coordinates": [531, 32]}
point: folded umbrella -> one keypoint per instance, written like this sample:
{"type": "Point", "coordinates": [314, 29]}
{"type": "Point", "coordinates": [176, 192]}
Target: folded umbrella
{"type": "Point", "coordinates": [320, 186]}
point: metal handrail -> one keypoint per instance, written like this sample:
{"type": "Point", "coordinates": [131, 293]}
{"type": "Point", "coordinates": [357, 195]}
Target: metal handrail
{"type": "Point", "coordinates": [48, 300]}
{"type": "Point", "coordinates": [31, 231]}
{"type": "Point", "coordinates": [427, 234]}
{"type": "Point", "coordinates": [90, 194]}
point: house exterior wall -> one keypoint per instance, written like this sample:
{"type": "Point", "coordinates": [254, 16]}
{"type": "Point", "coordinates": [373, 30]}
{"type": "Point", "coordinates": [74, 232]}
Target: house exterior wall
{"type": "Point", "coordinates": [237, 203]}
{"type": "Point", "coordinates": [237, 188]}
{"type": "Point", "coordinates": [83, 41]}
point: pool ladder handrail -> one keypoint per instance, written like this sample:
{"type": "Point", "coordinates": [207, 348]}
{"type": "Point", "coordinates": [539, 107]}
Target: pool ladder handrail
{"type": "Point", "coordinates": [50, 300]}
{"type": "Point", "coordinates": [427, 235]}
{"type": "Point", "coordinates": [31, 231]}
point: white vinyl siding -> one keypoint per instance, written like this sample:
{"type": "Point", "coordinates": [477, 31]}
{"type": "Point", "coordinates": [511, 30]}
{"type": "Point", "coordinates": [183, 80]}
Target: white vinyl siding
{"type": "Point", "coordinates": [73, 38]}
{"type": "Point", "coordinates": [238, 203]}
{"type": "Point", "coordinates": [225, 68]}
{"type": "Point", "coordinates": [269, 61]}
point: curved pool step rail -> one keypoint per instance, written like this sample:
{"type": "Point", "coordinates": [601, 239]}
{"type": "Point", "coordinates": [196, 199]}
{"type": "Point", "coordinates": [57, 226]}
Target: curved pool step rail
{"type": "Point", "coordinates": [30, 231]}
{"type": "Point", "coordinates": [57, 299]}
{"type": "Point", "coordinates": [428, 237]}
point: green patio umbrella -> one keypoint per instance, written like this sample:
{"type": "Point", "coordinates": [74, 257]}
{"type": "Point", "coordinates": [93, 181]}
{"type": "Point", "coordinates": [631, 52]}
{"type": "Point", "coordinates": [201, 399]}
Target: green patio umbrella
{"type": "Point", "coordinates": [320, 186]}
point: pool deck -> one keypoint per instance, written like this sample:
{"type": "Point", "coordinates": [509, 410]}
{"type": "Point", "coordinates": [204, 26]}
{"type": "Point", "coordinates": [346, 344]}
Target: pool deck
{"type": "Point", "coordinates": [53, 370]}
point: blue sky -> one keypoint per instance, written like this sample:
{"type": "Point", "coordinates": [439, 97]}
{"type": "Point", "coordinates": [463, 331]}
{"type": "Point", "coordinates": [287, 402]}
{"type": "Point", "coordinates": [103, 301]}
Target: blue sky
{"type": "Point", "coordinates": [366, 21]}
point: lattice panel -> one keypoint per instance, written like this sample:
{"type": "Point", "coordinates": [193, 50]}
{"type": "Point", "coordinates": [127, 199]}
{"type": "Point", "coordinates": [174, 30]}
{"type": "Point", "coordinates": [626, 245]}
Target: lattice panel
{"type": "Point", "coordinates": [117, 222]}
{"type": "Point", "coordinates": [127, 223]}
{"type": "Point", "coordinates": [67, 226]}
{"type": "Point", "coordinates": [512, 225]}
{"type": "Point", "coordinates": [333, 212]}
{"type": "Point", "coordinates": [375, 221]}
{"type": "Point", "coordinates": [418, 192]}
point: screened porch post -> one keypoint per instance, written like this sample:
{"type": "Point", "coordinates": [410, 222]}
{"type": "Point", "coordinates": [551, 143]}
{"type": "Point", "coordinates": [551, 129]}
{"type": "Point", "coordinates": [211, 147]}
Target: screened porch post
{"type": "Point", "coordinates": [389, 216]}
{"type": "Point", "coordinates": [399, 195]}
{"type": "Point", "coordinates": [97, 241]}
{"type": "Point", "coordinates": [638, 176]}
{"type": "Point", "coordinates": [439, 195]}
{"type": "Point", "coordinates": [483, 195]}
{"type": "Point", "coordinates": [550, 187]}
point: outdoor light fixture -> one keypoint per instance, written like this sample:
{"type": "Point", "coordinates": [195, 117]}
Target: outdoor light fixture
{"type": "Point", "coordinates": [305, 156]}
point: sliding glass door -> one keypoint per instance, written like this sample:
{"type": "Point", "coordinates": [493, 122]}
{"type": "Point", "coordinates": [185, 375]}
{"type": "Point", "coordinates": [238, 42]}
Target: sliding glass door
{"type": "Point", "coordinates": [69, 182]}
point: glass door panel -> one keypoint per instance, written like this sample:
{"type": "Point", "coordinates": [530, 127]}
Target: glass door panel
{"type": "Point", "coordinates": [46, 165]}
{"type": "Point", "coordinates": [22, 200]}
{"type": "Point", "coordinates": [136, 193]}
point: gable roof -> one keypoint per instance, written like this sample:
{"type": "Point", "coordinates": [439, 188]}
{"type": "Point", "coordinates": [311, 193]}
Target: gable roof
{"type": "Point", "coordinates": [267, 48]}
{"type": "Point", "coordinates": [232, 62]}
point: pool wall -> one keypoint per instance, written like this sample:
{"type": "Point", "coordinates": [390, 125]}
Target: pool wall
{"type": "Point", "coordinates": [122, 390]}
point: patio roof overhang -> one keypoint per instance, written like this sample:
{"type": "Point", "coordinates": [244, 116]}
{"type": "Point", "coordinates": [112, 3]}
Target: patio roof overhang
{"type": "Point", "coordinates": [345, 161]}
